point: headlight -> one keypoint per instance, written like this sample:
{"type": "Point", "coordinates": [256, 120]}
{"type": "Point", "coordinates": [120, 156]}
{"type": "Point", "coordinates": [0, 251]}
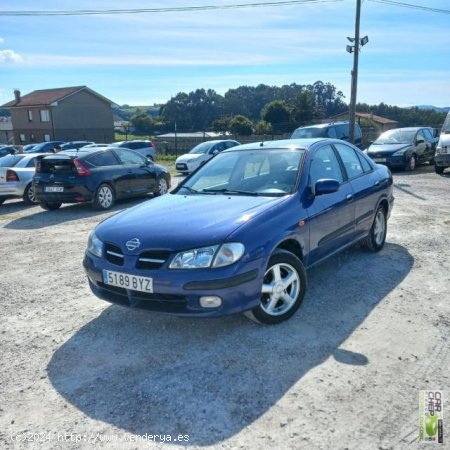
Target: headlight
{"type": "Point", "coordinates": [213, 256]}
{"type": "Point", "coordinates": [95, 245]}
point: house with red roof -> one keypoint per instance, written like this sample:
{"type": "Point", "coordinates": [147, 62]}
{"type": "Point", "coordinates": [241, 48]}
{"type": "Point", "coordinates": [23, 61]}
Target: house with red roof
{"type": "Point", "coordinates": [61, 114]}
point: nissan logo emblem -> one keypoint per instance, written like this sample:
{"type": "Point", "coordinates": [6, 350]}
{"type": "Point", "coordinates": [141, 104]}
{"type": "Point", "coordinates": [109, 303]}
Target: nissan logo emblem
{"type": "Point", "coordinates": [133, 244]}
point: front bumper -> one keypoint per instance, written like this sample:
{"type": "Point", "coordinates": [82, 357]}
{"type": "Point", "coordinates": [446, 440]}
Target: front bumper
{"type": "Point", "coordinates": [186, 166]}
{"type": "Point", "coordinates": [442, 160]}
{"type": "Point", "coordinates": [179, 291]}
{"type": "Point", "coordinates": [390, 160]}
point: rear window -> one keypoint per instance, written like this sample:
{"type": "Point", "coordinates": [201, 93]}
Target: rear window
{"type": "Point", "coordinates": [56, 166]}
{"type": "Point", "coordinates": [10, 160]}
{"type": "Point", "coordinates": [306, 133]}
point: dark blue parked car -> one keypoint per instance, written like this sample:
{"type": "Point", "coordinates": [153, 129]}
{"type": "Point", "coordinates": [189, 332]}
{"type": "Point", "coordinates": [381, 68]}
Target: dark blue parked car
{"type": "Point", "coordinates": [238, 234]}
{"type": "Point", "coordinates": [44, 147]}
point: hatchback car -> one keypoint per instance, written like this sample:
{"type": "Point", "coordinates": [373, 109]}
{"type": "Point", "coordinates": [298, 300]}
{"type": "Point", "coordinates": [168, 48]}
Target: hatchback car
{"type": "Point", "coordinates": [100, 176]}
{"type": "Point", "coordinates": [145, 148]}
{"type": "Point", "coordinates": [238, 234]}
{"type": "Point", "coordinates": [16, 176]}
{"type": "Point", "coordinates": [201, 153]}
{"type": "Point", "coordinates": [337, 130]}
{"type": "Point", "coordinates": [404, 148]}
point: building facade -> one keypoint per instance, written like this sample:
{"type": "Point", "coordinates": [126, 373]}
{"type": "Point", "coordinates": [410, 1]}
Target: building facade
{"type": "Point", "coordinates": [63, 114]}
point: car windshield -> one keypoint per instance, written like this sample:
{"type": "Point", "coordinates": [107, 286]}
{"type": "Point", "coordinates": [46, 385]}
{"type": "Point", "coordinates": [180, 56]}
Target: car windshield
{"type": "Point", "coordinates": [446, 126]}
{"type": "Point", "coordinates": [201, 148]}
{"type": "Point", "coordinates": [10, 160]}
{"type": "Point", "coordinates": [396, 137]}
{"type": "Point", "coordinates": [306, 133]}
{"type": "Point", "coordinates": [268, 172]}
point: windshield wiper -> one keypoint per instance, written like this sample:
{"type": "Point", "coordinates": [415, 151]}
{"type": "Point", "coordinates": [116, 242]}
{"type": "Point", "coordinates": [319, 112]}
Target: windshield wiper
{"type": "Point", "coordinates": [230, 191]}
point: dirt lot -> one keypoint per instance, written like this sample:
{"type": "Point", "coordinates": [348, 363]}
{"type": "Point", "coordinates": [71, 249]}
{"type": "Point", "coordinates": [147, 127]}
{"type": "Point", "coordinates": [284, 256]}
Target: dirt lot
{"type": "Point", "coordinates": [345, 372]}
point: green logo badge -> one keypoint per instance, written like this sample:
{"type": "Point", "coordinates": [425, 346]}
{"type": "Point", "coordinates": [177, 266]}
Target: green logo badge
{"type": "Point", "coordinates": [431, 413]}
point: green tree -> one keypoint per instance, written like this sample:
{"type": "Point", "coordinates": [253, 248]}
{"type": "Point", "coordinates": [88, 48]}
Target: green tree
{"type": "Point", "coordinates": [241, 126]}
{"type": "Point", "coordinates": [303, 109]}
{"type": "Point", "coordinates": [221, 124]}
{"type": "Point", "coordinates": [263, 127]}
{"type": "Point", "coordinates": [277, 113]}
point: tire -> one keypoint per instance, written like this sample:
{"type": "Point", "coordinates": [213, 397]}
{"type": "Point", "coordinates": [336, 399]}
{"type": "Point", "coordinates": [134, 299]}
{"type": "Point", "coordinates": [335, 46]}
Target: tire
{"type": "Point", "coordinates": [377, 235]}
{"type": "Point", "coordinates": [104, 197]}
{"type": "Point", "coordinates": [162, 187]}
{"type": "Point", "coordinates": [280, 300]}
{"type": "Point", "coordinates": [50, 206]}
{"type": "Point", "coordinates": [28, 196]}
{"type": "Point", "coordinates": [439, 170]}
{"type": "Point", "coordinates": [410, 165]}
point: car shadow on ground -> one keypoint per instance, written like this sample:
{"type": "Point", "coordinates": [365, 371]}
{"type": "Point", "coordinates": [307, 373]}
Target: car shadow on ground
{"type": "Point", "coordinates": [209, 379]}
{"type": "Point", "coordinates": [67, 213]}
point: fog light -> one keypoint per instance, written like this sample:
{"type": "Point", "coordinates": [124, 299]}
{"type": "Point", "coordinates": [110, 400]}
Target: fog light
{"type": "Point", "coordinates": [210, 301]}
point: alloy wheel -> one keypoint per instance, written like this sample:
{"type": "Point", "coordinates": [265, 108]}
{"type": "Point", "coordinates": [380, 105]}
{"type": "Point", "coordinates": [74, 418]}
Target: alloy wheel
{"type": "Point", "coordinates": [280, 289]}
{"type": "Point", "coordinates": [105, 197]}
{"type": "Point", "coordinates": [379, 230]}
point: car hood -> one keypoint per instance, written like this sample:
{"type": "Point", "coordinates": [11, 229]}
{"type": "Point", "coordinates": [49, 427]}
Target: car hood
{"type": "Point", "coordinates": [178, 222]}
{"type": "Point", "coordinates": [189, 157]}
{"type": "Point", "coordinates": [386, 149]}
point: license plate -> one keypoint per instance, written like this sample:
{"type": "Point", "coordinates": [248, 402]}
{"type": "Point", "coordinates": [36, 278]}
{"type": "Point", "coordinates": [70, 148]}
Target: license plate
{"type": "Point", "coordinates": [127, 281]}
{"type": "Point", "coordinates": [54, 189]}
{"type": "Point", "coordinates": [379, 160]}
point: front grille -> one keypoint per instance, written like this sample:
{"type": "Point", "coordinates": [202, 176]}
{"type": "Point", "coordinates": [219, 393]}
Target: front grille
{"type": "Point", "coordinates": [143, 300]}
{"type": "Point", "coordinates": [152, 259]}
{"type": "Point", "coordinates": [114, 254]}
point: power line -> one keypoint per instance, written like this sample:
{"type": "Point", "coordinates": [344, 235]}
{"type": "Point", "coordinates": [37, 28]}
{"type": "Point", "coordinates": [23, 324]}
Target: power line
{"type": "Point", "coordinates": [412, 6]}
{"type": "Point", "coordinates": [88, 12]}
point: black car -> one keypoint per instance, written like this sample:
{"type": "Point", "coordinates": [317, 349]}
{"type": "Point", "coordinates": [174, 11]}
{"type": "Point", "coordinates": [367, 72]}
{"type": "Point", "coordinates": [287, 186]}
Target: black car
{"type": "Point", "coordinates": [97, 175]}
{"type": "Point", "coordinates": [404, 148]}
{"type": "Point", "coordinates": [335, 130]}
{"type": "Point", "coordinates": [44, 147]}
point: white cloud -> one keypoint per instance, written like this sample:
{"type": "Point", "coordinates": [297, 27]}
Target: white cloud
{"type": "Point", "coordinates": [10, 57]}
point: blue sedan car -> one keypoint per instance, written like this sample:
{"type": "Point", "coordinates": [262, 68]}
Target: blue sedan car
{"type": "Point", "coordinates": [240, 232]}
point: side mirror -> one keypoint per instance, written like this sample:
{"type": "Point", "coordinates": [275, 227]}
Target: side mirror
{"type": "Point", "coordinates": [215, 152]}
{"type": "Point", "coordinates": [326, 186]}
{"type": "Point", "coordinates": [420, 140]}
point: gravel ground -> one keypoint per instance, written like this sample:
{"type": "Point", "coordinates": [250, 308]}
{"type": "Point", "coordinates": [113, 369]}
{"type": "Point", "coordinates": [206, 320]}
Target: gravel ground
{"type": "Point", "coordinates": [344, 372]}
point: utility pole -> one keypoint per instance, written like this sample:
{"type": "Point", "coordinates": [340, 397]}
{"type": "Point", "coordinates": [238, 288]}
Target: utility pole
{"type": "Point", "coordinates": [352, 109]}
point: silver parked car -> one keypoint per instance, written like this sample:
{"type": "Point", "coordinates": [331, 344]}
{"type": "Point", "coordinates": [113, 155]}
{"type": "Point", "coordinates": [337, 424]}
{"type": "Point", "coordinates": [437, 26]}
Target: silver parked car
{"type": "Point", "coordinates": [16, 174]}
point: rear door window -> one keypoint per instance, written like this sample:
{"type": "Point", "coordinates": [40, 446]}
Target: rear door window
{"type": "Point", "coordinates": [102, 159]}
{"type": "Point", "coordinates": [130, 158]}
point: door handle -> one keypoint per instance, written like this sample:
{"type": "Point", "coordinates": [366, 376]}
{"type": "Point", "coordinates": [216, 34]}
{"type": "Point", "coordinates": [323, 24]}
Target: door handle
{"type": "Point", "coordinates": [349, 197]}
{"type": "Point", "coordinates": [376, 183]}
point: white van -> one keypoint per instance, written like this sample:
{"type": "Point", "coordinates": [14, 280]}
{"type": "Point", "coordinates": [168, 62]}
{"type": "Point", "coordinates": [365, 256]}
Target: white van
{"type": "Point", "coordinates": [442, 158]}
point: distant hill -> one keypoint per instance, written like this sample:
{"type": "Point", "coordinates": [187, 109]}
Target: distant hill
{"type": "Point", "coordinates": [434, 108]}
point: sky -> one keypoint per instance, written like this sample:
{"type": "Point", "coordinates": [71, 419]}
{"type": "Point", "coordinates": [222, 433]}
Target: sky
{"type": "Point", "coordinates": [143, 59]}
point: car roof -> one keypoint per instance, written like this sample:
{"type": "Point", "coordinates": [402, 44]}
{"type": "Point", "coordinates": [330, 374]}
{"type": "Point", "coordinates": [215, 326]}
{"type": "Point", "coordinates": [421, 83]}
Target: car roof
{"type": "Point", "coordinates": [304, 144]}
{"type": "Point", "coordinates": [324, 125]}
